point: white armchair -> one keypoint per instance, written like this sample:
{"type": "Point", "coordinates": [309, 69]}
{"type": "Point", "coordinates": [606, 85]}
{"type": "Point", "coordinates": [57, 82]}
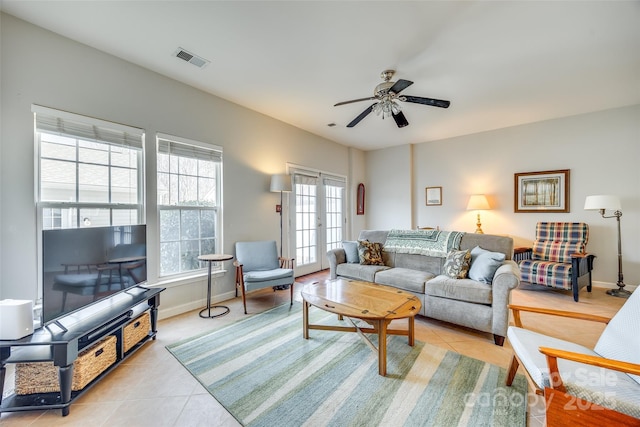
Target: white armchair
{"type": "Point", "coordinates": [607, 375]}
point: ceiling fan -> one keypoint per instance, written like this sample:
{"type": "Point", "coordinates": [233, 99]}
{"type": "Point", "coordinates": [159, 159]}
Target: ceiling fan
{"type": "Point", "coordinates": [386, 94]}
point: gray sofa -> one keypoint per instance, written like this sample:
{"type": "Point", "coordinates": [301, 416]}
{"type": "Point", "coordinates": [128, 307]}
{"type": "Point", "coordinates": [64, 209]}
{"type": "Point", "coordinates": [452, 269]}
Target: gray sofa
{"type": "Point", "coordinates": [464, 302]}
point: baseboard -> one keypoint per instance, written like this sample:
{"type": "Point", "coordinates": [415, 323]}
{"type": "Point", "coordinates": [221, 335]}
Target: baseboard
{"type": "Point", "coordinates": [192, 305]}
{"type": "Point", "coordinates": [609, 285]}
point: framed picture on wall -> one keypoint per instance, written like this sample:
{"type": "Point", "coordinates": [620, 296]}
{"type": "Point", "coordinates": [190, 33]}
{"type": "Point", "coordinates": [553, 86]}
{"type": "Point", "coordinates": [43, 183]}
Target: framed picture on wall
{"type": "Point", "coordinates": [360, 204]}
{"type": "Point", "coordinates": [546, 191]}
{"type": "Point", "coordinates": [434, 196]}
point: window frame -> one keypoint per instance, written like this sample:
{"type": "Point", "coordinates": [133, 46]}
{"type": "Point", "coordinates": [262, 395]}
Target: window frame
{"type": "Point", "coordinates": [217, 208]}
{"type": "Point", "coordinates": [41, 205]}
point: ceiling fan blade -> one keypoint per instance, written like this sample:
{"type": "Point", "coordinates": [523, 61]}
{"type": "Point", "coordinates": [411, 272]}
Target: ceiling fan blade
{"type": "Point", "coordinates": [354, 100]}
{"type": "Point", "coordinates": [400, 119]}
{"type": "Point", "coordinates": [362, 115]}
{"type": "Point", "coordinates": [400, 85]}
{"type": "Point", "coordinates": [426, 101]}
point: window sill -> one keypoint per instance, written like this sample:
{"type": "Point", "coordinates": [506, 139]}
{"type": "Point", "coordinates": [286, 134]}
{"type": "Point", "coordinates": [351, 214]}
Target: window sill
{"type": "Point", "coordinates": [181, 280]}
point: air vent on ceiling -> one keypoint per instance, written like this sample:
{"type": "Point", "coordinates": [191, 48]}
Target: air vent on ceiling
{"type": "Point", "coordinates": [191, 58]}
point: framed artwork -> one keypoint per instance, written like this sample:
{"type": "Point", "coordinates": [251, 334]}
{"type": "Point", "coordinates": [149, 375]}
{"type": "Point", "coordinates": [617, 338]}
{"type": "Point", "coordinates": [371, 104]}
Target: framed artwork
{"type": "Point", "coordinates": [360, 203]}
{"type": "Point", "coordinates": [546, 191]}
{"type": "Point", "coordinates": [434, 196]}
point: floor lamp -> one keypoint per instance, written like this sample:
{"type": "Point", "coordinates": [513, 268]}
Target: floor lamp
{"type": "Point", "coordinates": [602, 203]}
{"type": "Point", "coordinates": [280, 183]}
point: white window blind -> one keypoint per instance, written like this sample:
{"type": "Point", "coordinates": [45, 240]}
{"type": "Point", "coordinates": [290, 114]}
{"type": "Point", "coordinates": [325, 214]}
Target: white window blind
{"type": "Point", "coordinates": [86, 128]}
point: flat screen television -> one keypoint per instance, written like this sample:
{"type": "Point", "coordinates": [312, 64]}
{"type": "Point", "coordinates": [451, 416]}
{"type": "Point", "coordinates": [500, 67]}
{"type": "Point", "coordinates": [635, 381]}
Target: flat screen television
{"type": "Point", "coordinates": [82, 266]}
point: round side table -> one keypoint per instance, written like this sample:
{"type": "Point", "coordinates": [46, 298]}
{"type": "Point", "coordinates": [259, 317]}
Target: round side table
{"type": "Point", "coordinates": [211, 258]}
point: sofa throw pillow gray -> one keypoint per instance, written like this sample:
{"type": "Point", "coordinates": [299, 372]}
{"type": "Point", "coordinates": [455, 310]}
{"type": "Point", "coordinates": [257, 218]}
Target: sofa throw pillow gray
{"type": "Point", "coordinates": [456, 265]}
{"type": "Point", "coordinates": [484, 264]}
{"type": "Point", "coordinates": [351, 251]}
{"type": "Point", "coordinates": [370, 253]}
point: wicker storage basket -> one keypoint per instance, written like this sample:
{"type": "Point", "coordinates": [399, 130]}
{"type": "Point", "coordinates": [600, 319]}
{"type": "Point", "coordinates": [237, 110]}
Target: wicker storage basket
{"type": "Point", "coordinates": [42, 377]}
{"type": "Point", "coordinates": [136, 330]}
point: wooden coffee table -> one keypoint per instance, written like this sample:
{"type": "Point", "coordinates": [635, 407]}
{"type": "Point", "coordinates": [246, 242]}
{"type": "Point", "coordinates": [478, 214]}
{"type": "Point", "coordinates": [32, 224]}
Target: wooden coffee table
{"type": "Point", "coordinates": [376, 304]}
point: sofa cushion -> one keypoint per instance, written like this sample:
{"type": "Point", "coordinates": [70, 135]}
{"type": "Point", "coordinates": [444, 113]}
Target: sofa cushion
{"type": "Point", "coordinates": [359, 271]}
{"type": "Point", "coordinates": [403, 278]}
{"type": "Point", "coordinates": [459, 289]}
{"type": "Point", "coordinates": [351, 251]}
{"type": "Point", "coordinates": [415, 262]}
{"type": "Point", "coordinates": [456, 265]}
{"type": "Point", "coordinates": [370, 253]}
{"type": "Point", "coordinates": [484, 264]}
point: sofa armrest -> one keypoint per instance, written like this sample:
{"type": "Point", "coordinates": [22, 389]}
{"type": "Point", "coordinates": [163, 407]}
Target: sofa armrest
{"type": "Point", "coordinates": [506, 279]}
{"type": "Point", "coordinates": [335, 257]}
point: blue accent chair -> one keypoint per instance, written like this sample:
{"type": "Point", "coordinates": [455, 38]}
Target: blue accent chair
{"type": "Point", "coordinates": [258, 266]}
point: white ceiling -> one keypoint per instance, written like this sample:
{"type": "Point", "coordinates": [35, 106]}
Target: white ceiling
{"type": "Point", "coordinates": [500, 63]}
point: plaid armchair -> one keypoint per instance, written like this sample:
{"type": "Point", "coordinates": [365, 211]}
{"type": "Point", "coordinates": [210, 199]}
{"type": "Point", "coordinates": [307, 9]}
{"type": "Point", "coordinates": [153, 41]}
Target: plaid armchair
{"type": "Point", "coordinates": [558, 258]}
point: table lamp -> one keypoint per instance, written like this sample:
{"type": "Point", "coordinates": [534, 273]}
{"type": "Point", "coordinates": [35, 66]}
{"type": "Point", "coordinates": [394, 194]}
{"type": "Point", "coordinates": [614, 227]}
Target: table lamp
{"type": "Point", "coordinates": [478, 202]}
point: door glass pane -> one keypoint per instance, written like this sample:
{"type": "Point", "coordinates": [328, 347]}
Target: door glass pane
{"type": "Point", "coordinates": [306, 224]}
{"type": "Point", "coordinates": [333, 215]}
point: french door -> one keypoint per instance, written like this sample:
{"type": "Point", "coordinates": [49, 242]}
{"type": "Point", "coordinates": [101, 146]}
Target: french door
{"type": "Point", "coordinates": [318, 218]}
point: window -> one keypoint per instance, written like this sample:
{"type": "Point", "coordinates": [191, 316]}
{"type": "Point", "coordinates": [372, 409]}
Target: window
{"type": "Point", "coordinates": [90, 172]}
{"type": "Point", "coordinates": [189, 195]}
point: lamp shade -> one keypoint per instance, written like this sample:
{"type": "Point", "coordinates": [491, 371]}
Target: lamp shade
{"type": "Point", "coordinates": [599, 202]}
{"type": "Point", "coordinates": [280, 182]}
{"type": "Point", "coordinates": [477, 202]}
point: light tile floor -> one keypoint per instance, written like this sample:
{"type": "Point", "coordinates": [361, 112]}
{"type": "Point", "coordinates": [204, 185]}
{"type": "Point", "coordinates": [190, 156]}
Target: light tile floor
{"type": "Point", "coordinates": [151, 388]}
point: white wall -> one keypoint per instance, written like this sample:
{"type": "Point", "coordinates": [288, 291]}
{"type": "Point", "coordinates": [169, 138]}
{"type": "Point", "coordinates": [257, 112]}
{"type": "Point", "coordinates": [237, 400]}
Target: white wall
{"type": "Point", "coordinates": [600, 149]}
{"type": "Point", "coordinates": [43, 68]}
{"type": "Point", "coordinates": [389, 190]}
{"type": "Point", "coordinates": [357, 175]}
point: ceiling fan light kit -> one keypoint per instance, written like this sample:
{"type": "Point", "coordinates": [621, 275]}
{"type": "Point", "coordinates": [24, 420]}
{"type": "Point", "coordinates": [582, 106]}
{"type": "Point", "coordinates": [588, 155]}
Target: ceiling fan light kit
{"type": "Point", "coordinates": [386, 95]}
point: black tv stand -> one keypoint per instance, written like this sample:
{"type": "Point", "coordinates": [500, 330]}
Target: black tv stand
{"type": "Point", "coordinates": [77, 331]}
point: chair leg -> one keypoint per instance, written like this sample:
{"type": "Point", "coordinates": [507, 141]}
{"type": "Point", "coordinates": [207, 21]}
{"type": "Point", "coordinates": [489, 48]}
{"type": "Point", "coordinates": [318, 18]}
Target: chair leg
{"type": "Point", "coordinates": [498, 340]}
{"type": "Point", "coordinates": [513, 368]}
{"type": "Point", "coordinates": [291, 287]}
{"type": "Point", "coordinates": [244, 299]}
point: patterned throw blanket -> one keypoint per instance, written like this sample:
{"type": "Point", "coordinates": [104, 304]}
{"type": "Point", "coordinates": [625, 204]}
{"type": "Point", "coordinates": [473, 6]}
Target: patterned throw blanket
{"type": "Point", "coordinates": [423, 242]}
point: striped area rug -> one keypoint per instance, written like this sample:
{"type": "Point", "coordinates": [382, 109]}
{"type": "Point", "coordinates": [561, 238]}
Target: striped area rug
{"type": "Point", "coordinates": [265, 374]}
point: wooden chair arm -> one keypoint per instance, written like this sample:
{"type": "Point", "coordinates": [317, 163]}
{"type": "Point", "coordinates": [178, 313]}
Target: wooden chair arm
{"type": "Point", "coordinates": [554, 354]}
{"type": "Point", "coordinates": [286, 262]}
{"type": "Point", "coordinates": [237, 263]}
{"type": "Point", "coordinates": [582, 255]}
{"type": "Point", "coordinates": [516, 309]}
